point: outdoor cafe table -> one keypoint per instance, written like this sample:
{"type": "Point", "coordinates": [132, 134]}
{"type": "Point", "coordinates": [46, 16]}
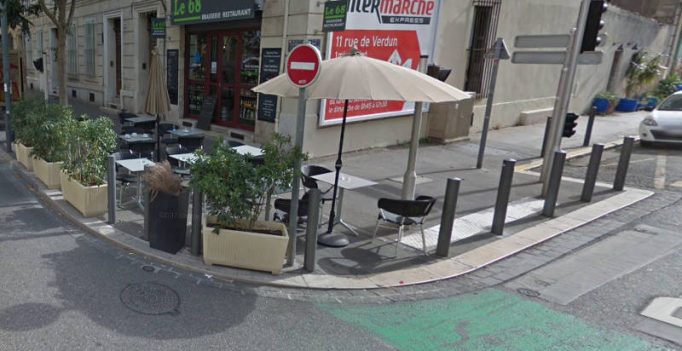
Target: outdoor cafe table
{"type": "Point", "coordinates": [136, 166]}
{"type": "Point", "coordinates": [136, 138]}
{"type": "Point", "coordinates": [186, 132]}
{"type": "Point", "coordinates": [248, 150]}
{"type": "Point", "coordinates": [346, 182]}
{"type": "Point", "coordinates": [141, 120]}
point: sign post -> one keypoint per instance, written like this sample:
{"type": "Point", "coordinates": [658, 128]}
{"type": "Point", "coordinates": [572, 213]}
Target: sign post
{"type": "Point", "coordinates": [498, 52]}
{"type": "Point", "coordinates": [6, 73]}
{"type": "Point", "coordinates": [303, 68]}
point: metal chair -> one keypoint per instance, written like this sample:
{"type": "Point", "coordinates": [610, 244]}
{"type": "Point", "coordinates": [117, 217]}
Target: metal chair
{"type": "Point", "coordinates": [124, 179]}
{"type": "Point", "coordinates": [191, 142]}
{"type": "Point", "coordinates": [400, 213]}
{"type": "Point", "coordinates": [143, 149]}
{"type": "Point", "coordinates": [283, 206]}
{"type": "Point", "coordinates": [307, 174]}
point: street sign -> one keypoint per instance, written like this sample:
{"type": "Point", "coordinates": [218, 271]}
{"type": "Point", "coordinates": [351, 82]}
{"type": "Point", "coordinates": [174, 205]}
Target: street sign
{"type": "Point", "coordinates": [334, 18]}
{"type": "Point", "coordinates": [303, 65]}
{"type": "Point", "coordinates": [542, 41]}
{"type": "Point", "coordinates": [555, 57]}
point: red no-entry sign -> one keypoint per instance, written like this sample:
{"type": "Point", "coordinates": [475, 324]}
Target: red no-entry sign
{"type": "Point", "coordinates": [303, 65]}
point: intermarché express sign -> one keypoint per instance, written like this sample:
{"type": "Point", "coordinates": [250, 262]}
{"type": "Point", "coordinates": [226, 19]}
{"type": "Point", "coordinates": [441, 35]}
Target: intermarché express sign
{"type": "Point", "coordinates": [205, 11]}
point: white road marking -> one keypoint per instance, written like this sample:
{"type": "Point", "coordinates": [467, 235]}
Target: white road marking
{"type": "Point", "coordinates": [472, 224]}
{"type": "Point", "coordinates": [659, 177]}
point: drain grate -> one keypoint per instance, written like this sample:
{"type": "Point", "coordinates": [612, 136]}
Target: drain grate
{"type": "Point", "coordinates": [528, 292]}
{"type": "Point", "coordinates": [150, 298]}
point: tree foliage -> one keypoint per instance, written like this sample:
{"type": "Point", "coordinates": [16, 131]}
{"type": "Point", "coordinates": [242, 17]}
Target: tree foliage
{"type": "Point", "coordinates": [18, 14]}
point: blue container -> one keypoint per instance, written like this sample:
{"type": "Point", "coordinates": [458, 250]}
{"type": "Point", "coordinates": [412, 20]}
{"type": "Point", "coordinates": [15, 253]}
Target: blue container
{"type": "Point", "coordinates": [601, 104]}
{"type": "Point", "coordinates": [651, 103]}
{"type": "Point", "coordinates": [627, 105]}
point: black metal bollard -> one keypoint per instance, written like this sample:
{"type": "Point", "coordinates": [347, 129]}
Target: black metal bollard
{"type": "Point", "coordinates": [448, 217]}
{"type": "Point", "coordinates": [592, 170]}
{"type": "Point", "coordinates": [503, 192]}
{"type": "Point", "coordinates": [196, 222]}
{"type": "Point", "coordinates": [111, 189]}
{"type": "Point", "coordinates": [554, 183]}
{"type": "Point", "coordinates": [623, 163]}
{"type": "Point", "coordinates": [311, 230]}
{"type": "Point", "coordinates": [590, 124]}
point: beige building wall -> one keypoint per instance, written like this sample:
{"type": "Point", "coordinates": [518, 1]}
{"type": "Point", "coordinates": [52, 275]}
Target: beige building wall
{"type": "Point", "coordinates": [520, 88]}
{"type": "Point", "coordinates": [531, 88]}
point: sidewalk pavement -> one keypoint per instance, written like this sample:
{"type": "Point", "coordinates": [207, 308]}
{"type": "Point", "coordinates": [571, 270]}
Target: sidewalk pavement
{"type": "Point", "coordinates": [367, 264]}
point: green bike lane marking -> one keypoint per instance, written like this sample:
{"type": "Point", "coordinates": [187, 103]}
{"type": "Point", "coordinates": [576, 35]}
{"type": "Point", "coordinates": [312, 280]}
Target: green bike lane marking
{"type": "Point", "coordinates": [488, 320]}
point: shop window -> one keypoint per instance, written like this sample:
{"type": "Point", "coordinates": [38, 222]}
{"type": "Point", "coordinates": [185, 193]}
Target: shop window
{"type": "Point", "coordinates": [72, 52]}
{"type": "Point", "coordinates": [89, 49]}
{"type": "Point", "coordinates": [224, 64]}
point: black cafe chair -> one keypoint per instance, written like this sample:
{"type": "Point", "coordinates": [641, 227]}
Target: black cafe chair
{"type": "Point", "coordinates": [124, 179]}
{"type": "Point", "coordinates": [283, 206]}
{"type": "Point", "coordinates": [143, 149]}
{"type": "Point", "coordinates": [191, 142]}
{"type": "Point", "coordinates": [401, 213]}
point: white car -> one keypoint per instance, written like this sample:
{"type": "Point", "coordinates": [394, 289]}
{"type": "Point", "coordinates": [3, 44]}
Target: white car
{"type": "Point", "coordinates": [664, 124]}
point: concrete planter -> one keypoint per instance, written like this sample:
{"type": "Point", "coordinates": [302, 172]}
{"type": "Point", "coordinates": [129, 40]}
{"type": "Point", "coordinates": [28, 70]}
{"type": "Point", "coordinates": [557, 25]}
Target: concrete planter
{"type": "Point", "coordinates": [243, 249]}
{"type": "Point", "coordinates": [90, 201]}
{"type": "Point", "coordinates": [48, 172]}
{"type": "Point", "coordinates": [24, 156]}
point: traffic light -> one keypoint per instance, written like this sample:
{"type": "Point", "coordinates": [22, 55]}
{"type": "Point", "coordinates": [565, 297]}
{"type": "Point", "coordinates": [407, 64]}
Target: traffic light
{"type": "Point", "coordinates": [570, 124]}
{"type": "Point", "coordinates": [594, 24]}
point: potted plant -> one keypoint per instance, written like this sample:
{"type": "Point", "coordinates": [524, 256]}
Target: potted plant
{"type": "Point", "coordinates": [642, 71]}
{"type": "Point", "coordinates": [83, 175]}
{"type": "Point", "coordinates": [25, 119]}
{"type": "Point", "coordinates": [605, 102]}
{"type": "Point", "coordinates": [166, 215]}
{"type": "Point", "coordinates": [49, 150]}
{"type": "Point", "coordinates": [236, 190]}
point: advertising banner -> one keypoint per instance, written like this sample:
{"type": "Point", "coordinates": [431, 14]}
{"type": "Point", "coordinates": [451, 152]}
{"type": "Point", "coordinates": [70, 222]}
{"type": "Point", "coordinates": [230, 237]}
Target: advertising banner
{"type": "Point", "coordinates": [398, 31]}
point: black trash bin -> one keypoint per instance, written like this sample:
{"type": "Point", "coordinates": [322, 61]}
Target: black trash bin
{"type": "Point", "coordinates": [166, 221]}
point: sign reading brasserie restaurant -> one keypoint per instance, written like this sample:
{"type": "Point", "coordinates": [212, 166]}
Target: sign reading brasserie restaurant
{"type": "Point", "coordinates": [334, 18]}
{"type": "Point", "coordinates": [205, 11]}
{"type": "Point", "coordinates": [398, 31]}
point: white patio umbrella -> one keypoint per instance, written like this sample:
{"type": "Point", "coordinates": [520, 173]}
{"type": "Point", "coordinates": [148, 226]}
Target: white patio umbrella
{"type": "Point", "coordinates": [158, 101]}
{"type": "Point", "coordinates": [358, 77]}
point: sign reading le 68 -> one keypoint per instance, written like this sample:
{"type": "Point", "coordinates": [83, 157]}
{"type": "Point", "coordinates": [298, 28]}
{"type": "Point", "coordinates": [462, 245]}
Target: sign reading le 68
{"type": "Point", "coordinates": [183, 7]}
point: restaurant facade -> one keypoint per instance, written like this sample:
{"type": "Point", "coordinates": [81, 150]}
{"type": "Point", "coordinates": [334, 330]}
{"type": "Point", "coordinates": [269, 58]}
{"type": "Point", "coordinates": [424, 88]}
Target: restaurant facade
{"type": "Point", "coordinates": [215, 51]}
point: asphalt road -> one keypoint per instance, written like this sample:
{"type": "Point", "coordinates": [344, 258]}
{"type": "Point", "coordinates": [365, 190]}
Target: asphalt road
{"type": "Point", "coordinates": [65, 290]}
{"type": "Point", "coordinates": [617, 303]}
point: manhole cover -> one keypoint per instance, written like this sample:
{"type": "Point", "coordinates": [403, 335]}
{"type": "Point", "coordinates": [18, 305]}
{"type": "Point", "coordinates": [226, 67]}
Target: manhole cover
{"type": "Point", "coordinates": [528, 292]}
{"type": "Point", "coordinates": [147, 268]}
{"type": "Point", "coordinates": [150, 298]}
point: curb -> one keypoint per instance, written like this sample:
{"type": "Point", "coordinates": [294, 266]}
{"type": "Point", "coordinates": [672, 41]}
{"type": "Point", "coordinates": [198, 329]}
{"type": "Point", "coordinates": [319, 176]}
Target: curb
{"type": "Point", "coordinates": [570, 154]}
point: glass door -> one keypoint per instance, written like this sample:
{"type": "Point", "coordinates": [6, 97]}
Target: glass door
{"type": "Point", "coordinates": [224, 65]}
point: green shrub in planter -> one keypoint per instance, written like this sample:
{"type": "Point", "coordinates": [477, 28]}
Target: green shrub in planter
{"type": "Point", "coordinates": [25, 120]}
{"type": "Point", "coordinates": [50, 141]}
{"type": "Point", "coordinates": [237, 189]}
{"type": "Point", "coordinates": [89, 143]}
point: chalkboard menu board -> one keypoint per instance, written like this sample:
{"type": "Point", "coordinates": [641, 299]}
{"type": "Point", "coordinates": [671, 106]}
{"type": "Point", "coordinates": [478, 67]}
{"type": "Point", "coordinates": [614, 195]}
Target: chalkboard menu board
{"type": "Point", "coordinates": [172, 56]}
{"type": "Point", "coordinates": [270, 63]}
{"type": "Point", "coordinates": [206, 115]}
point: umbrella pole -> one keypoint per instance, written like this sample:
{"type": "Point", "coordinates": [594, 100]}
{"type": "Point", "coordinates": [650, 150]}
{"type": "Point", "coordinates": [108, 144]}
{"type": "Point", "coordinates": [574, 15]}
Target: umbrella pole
{"type": "Point", "coordinates": [338, 165]}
